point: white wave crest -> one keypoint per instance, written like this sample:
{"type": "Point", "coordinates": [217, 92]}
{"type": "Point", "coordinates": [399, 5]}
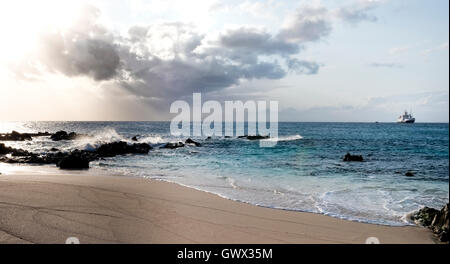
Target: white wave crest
{"type": "Point", "coordinates": [285, 138]}
{"type": "Point", "coordinates": [152, 139]}
{"type": "Point", "coordinates": [91, 142]}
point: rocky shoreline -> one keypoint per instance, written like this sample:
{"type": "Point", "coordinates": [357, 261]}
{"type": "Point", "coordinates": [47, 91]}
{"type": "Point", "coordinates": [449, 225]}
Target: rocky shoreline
{"type": "Point", "coordinates": [434, 219]}
{"type": "Point", "coordinates": [16, 136]}
{"type": "Point", "coordinates": [76, 159]}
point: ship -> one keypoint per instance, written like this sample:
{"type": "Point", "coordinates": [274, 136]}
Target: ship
{"type": "Point", "coordinates": [406, 118]}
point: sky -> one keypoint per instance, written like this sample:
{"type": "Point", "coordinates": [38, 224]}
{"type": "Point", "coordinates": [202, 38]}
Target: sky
{"type": "Point", "coordinates": [343, 60]}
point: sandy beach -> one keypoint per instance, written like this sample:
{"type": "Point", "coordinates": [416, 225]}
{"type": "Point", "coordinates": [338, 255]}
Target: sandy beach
{"type": "Point", "coordinates": [49, 205]}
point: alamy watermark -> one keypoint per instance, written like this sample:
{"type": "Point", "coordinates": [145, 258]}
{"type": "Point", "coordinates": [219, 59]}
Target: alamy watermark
{"type": "Point", "coordinates": [210, 119]}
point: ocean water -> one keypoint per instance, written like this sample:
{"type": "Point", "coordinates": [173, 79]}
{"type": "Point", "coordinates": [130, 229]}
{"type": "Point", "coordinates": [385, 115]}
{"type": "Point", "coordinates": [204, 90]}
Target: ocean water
{"type": "Point", "coordinates": [303, 172]}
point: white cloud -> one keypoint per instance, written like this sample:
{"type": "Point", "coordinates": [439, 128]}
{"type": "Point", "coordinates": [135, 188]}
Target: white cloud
{"type": "Point", "coordinates": [441, 47]}
{"type": "Point", "coordinates": [398, 50]}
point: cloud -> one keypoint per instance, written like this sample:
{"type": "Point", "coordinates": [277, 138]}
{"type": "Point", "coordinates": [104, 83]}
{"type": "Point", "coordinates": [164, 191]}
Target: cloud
{"type": "Point", "coordinates": [398, 50]}
{"type": "Point", "coordinates": [85, 49]}
{"type": "Point", "coordinates": [163, 61]}
{"type": "Point", "coordinates": [441, 47]}
{"type": "Point", "coordinates": [312, 23]}
{"type": "Point", "coordinates": [307, 24]}
{"type": "Point", "coordinates": [245, 45]}
{"type": "Point", "coordinates": [386, 65]}
{"type": "Point", "coordinates": [357, 12]}
{"type": "Point", "coordinates": [303, 67]}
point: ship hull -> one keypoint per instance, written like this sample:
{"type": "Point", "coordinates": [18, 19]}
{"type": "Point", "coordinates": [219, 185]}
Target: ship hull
{"type": "Point", "coordinates": [409, 121]}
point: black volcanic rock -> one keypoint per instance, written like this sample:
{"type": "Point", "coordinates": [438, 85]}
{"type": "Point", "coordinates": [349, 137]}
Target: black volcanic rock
{"type": "Point", "coordinates": [121, 148]}
{"type": "Point", "coordinates": [73, 157]}
{"type": "Point", "coordinates": [134, 138]}
{"type": "Point", "coordinates": [409, 174]}
{"type": "Point", "coordinates": [257, 137]}
{"type": "Point", "coordinates": [350, 157]}
{"type": "Point", "coordinates": [13, 151]}
{"type": "Point", "coordinates": [73, 162]}
{"type": "Point", "coordinates": [16, 136]}
{"type": "Point", "coordinates": [63, 135]}
{"type": "Point", "coordinates": [173, 145]}
{"type": "Point", "coordinates": [4, 149]}
{"type": "Point", "coordinates": [254, 137]}
{"type": "Point", "coordinates": [190, 141]}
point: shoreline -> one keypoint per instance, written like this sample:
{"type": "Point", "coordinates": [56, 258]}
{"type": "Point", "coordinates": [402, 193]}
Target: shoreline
{"type": "Point", "coordinates": [51, 205]}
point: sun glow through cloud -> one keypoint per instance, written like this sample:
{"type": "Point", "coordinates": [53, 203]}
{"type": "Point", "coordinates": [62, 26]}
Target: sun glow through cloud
{"type": "Point", "coordinates": [21, 21]}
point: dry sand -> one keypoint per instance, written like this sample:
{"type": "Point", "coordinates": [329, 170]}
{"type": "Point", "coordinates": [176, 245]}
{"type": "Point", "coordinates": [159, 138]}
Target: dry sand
{"type": "Point", "coordinates": [50, 206]}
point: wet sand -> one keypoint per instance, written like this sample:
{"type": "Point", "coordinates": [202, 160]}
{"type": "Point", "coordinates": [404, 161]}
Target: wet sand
{"type": "Point", "coordinates": [49, 205]}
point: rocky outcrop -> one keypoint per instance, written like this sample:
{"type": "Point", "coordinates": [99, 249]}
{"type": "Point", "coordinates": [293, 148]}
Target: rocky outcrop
{"type": "Point", "coordinates": [121, 148]}
{"type": "Point", "coordinates": [171, 145]}
{"type": "Point", "coordinates": [350, 157]}
{"type": "Point", "coordinates": [190, 141]}
{"type": "Point", "coordinates": [134, 138]}
{"type": "Point", "coordinates": [257, 137]}
{"type": "Point", "coordinates": [424, 216]}
{"type": "Point", "coordinates": [436, 220]}
{"type": "Point", "coordinates": [14, 152]}
{"type": "Point", "coordinates": [73, 162]}
{"type": "Point", "coordinates": [75, 159]}
{"type": "Point", "coordinates": [63, 135]}
{"type": "Point", "coordinates": [16, 136]}
{"type": "Point", "coordinates": [409, 174]}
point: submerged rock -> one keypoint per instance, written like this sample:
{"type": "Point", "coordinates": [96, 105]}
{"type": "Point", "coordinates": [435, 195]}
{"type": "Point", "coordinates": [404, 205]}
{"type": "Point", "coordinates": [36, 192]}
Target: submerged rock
{"type": "Point", "coordinates": [173, 145]}
{"type": "Point", "coordinates": [190, 141]}
{"type": "Point", "coordinates": [257, 137]}
{"type": "Point", "coordinates": [409, 174]}
{"type": "Point", "coordinates": [436, 220]}
{"type": "Point", "coordinates": [350, 157]}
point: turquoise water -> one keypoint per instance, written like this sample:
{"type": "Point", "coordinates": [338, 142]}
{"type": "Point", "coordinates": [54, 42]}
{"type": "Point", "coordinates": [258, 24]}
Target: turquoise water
{"type": "Point", "coordinates": [304, 171]}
